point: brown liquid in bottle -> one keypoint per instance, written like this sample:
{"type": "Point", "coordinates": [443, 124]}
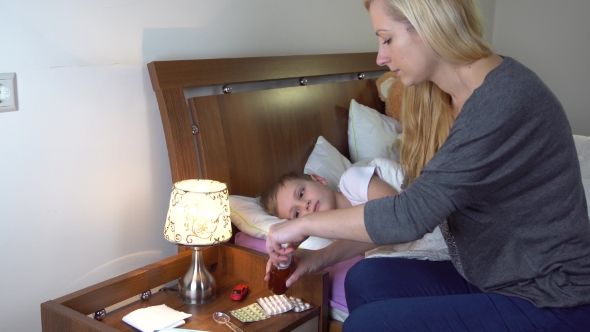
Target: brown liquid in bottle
{"type": "Point", "coordinates": [277, 283]}
{"type": "Point", "coordinates": [278, 278]}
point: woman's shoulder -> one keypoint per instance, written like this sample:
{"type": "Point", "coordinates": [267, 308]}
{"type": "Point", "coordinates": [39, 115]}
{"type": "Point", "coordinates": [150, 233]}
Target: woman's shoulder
{"type": "Point", "coordinates": [511, 74]}
{"type": "Point", "coordinates": [512, 97]}
{"type": "Point", "coordinates": [513, 85]}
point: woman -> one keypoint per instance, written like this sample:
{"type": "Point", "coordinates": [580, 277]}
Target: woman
{"type": "Point", "coordinates": [487, 147]}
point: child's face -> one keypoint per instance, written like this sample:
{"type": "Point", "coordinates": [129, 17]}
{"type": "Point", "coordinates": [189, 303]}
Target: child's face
{"type": "Point", "coordinates": [300, 197]}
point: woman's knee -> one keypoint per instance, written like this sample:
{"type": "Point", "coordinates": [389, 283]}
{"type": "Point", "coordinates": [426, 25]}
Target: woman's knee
{"type": "Point", "coordinates": [359, 274]}
{"type": "Point", "coordinates": [355, 285]}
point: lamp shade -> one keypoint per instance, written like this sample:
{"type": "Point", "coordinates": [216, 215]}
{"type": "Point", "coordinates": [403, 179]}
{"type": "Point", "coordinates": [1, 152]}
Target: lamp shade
{"type": "Point", "coordinates": [198, 214]}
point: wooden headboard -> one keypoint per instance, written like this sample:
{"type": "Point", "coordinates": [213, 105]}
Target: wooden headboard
{"type": "Point", "coordinates": [248, 139]}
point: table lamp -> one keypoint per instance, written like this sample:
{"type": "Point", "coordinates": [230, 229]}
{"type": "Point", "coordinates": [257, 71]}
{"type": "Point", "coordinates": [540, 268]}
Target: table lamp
{"type": "Point", "coordinates": [198, 217]}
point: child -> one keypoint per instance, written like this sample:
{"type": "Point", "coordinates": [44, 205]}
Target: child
{"type": "Point", "coordinates": [295, 194]}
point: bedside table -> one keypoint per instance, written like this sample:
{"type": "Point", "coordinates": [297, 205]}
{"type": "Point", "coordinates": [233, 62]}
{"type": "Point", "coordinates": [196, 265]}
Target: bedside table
{"type": "Point", "coordinates": [230, 265]}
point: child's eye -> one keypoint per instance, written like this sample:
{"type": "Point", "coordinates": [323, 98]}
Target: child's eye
{"type": "Point", "coordinates": [386, 42]}
{"type": "Point", "coordinates": [296, 214]}
{"type": "Point", "coordinates": [301, 192]}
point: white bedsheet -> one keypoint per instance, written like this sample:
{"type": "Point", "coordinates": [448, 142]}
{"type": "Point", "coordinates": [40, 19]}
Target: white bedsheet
{"type": "Point", "coordinates": [431, 247]}
{"type": "Point", "coordinates": [583, 149]}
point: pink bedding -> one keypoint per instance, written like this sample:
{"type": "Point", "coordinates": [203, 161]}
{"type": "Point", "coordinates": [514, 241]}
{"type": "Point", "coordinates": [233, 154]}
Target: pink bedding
{"type": "Point", "coordinates": [336, 272]}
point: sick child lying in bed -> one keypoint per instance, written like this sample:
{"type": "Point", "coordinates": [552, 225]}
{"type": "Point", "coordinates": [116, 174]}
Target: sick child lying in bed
{"type": "Point", "coordinates": [295, 194]}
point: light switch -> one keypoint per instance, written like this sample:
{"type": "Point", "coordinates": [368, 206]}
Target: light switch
{"type": "Point", "coordinates": [8, 100]}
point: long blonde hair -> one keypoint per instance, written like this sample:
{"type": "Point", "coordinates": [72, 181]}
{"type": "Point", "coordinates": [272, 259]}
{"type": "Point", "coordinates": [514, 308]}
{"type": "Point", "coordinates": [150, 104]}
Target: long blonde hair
{"type": "Point", "coordinates": [452, 31]}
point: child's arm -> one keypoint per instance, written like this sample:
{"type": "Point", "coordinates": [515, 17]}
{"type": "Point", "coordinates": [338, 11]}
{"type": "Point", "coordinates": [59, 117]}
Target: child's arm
{"type": "Point", "coordinates": [379, 188]}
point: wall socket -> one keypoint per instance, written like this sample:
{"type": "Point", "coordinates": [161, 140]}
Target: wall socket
{"type": "Point", "coordinates": [8, 100]}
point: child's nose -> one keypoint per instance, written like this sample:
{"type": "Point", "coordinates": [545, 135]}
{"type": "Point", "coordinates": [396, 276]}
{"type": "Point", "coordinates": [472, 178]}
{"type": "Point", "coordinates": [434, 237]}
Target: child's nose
{"type": "Point", "coordinates": [305, 210]}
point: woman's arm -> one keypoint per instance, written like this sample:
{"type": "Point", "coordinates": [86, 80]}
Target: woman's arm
{"type": "Point", "coordinates": [339, 224]}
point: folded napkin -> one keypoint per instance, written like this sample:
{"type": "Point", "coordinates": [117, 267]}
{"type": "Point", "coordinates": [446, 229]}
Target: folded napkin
{"type": "Point", "coordinates": [155, 317]}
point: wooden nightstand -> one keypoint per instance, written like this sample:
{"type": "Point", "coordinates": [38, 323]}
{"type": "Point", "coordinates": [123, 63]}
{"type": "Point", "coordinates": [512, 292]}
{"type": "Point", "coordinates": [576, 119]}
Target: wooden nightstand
{"type": "Point", "coordinates": [230, 265]}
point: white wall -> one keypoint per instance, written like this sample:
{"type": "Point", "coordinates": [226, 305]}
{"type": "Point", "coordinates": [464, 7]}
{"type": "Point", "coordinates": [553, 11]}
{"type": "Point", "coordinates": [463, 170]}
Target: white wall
{"type": "Point", "coordinates": [84, 174]}
{"type": "Point", "coordinates": [488, 8]}
{"type": "Point", "coordinates": [550, 37]}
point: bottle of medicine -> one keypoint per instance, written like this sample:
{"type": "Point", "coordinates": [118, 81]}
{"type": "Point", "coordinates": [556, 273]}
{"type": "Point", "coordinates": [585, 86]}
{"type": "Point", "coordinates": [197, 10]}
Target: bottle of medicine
{"type": "Point", "coordinates": [279, 275]}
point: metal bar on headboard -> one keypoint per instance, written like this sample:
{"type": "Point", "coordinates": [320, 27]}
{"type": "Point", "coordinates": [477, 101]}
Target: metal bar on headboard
{"type": "Point", "coordinates": [185, 73]}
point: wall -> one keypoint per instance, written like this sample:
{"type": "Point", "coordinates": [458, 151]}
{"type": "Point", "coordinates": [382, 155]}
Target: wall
{"type": "Point", "coordinates": [488, 9]}
{"type": "Point", "coordinates": [551, 38]}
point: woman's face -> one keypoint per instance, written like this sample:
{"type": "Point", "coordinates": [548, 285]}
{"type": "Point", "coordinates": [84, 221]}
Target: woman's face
{"type": "Point", "coordinates": [401, 48]}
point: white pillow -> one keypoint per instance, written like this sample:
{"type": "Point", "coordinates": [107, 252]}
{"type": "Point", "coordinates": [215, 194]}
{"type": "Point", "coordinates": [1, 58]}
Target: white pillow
{"type": "Point", "coordinates": [583, 149]}
{"type": "Point", "coordinates": [326, 161]}
{"type": "Point", "coordinates": [371, 134]}
{"type": "Point", "coordinates": [249, 217]}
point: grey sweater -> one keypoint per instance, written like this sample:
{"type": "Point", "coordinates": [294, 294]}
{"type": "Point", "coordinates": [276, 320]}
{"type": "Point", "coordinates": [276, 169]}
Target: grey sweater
{"type": "Point", "coordinates": [508, 182]}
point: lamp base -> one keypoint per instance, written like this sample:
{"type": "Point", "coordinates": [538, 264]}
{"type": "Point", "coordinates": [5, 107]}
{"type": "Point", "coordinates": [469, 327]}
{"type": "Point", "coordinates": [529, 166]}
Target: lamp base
{"type": "Point", "coordinates": [197, 286]}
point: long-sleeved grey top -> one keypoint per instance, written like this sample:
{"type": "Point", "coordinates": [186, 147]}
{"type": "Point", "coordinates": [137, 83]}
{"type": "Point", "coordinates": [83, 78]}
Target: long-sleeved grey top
{"type": "Point", "coordinates": [508, 182]}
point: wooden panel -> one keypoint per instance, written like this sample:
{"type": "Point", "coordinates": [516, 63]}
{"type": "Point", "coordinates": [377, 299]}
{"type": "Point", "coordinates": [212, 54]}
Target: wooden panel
{"type": "Point", "coordinates": [57, 318]}
{"type": "Point", "coordinates": [186, 73]}
{"type": "Point", "coordinates": [120, 288]}
{"type": "Point", "coordinates": [335, 326]}
{"type": "Point", "coordinates": [245, 264]}
{"type": "Point", "coordinates": [212, 145]}
{"type": "Point", "coordinates": [179, 138]}
{"type": "Point", "coordinates": [250, 139]}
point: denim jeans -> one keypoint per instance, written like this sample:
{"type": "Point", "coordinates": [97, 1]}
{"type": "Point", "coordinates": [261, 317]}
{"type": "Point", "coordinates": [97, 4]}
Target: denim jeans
{"type": "Point", "coordinates": [396, 294]}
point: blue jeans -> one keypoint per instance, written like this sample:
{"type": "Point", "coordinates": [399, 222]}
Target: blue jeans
{"type": "Point", "coordinates": [396, 294]}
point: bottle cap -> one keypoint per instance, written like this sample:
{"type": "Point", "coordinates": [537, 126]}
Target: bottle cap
{"type": "Point", "coordinates": [290, 256]}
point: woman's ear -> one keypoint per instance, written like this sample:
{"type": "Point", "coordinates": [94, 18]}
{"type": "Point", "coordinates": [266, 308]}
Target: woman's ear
{"type": "Point", "coordinates": [319, 179]}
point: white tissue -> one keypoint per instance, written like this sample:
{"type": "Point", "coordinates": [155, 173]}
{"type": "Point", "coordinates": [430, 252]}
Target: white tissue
{"type": "Point", "coordinates": [155, 317]}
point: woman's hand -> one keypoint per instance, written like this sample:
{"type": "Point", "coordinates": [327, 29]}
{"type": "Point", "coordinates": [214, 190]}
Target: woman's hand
{"type": "Point", "coordinates": [311, 261]}
{"type": "Point", "coordinates": [306, 261]}
{"type": "Point", "coordinates": [282, 233]}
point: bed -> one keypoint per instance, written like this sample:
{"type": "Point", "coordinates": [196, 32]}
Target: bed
{"type": "Point", "coordinates": [246, 121]}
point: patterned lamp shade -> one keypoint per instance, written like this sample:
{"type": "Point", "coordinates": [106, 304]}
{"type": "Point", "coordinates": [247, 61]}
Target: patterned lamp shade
{"type": "Point", "coordinates": [199, 213]}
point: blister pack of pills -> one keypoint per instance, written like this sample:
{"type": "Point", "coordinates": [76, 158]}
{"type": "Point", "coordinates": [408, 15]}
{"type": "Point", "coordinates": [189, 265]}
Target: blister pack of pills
{"type": "Point", "coordinates": [299, 305]}
{"type": "Point", "coordinates": [278, 304]}
{"type": "Point", "coordinates": [251, 313]}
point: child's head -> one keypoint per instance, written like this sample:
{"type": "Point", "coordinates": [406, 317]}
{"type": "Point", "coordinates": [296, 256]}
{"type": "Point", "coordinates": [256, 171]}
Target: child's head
{"type": "Point", "coordinates": [294, 195]}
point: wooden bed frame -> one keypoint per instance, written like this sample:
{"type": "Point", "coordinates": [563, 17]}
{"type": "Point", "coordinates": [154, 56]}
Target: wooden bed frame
{"type": "Point", "coordinates": [248, 139]}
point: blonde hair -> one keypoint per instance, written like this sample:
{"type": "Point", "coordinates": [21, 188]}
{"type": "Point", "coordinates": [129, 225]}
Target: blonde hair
{"type": "Point", "coordinates": [268, 198]}
{"type": "Point", "coordinates": [452, 31]}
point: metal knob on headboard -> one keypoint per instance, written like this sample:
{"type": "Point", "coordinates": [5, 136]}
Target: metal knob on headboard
{"type": "Point", "coordinates": [361, 76]}
{"type": "Point", "coordinates": [227, 88]}
{"type": "Point", "coordinates": [303, 81]}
